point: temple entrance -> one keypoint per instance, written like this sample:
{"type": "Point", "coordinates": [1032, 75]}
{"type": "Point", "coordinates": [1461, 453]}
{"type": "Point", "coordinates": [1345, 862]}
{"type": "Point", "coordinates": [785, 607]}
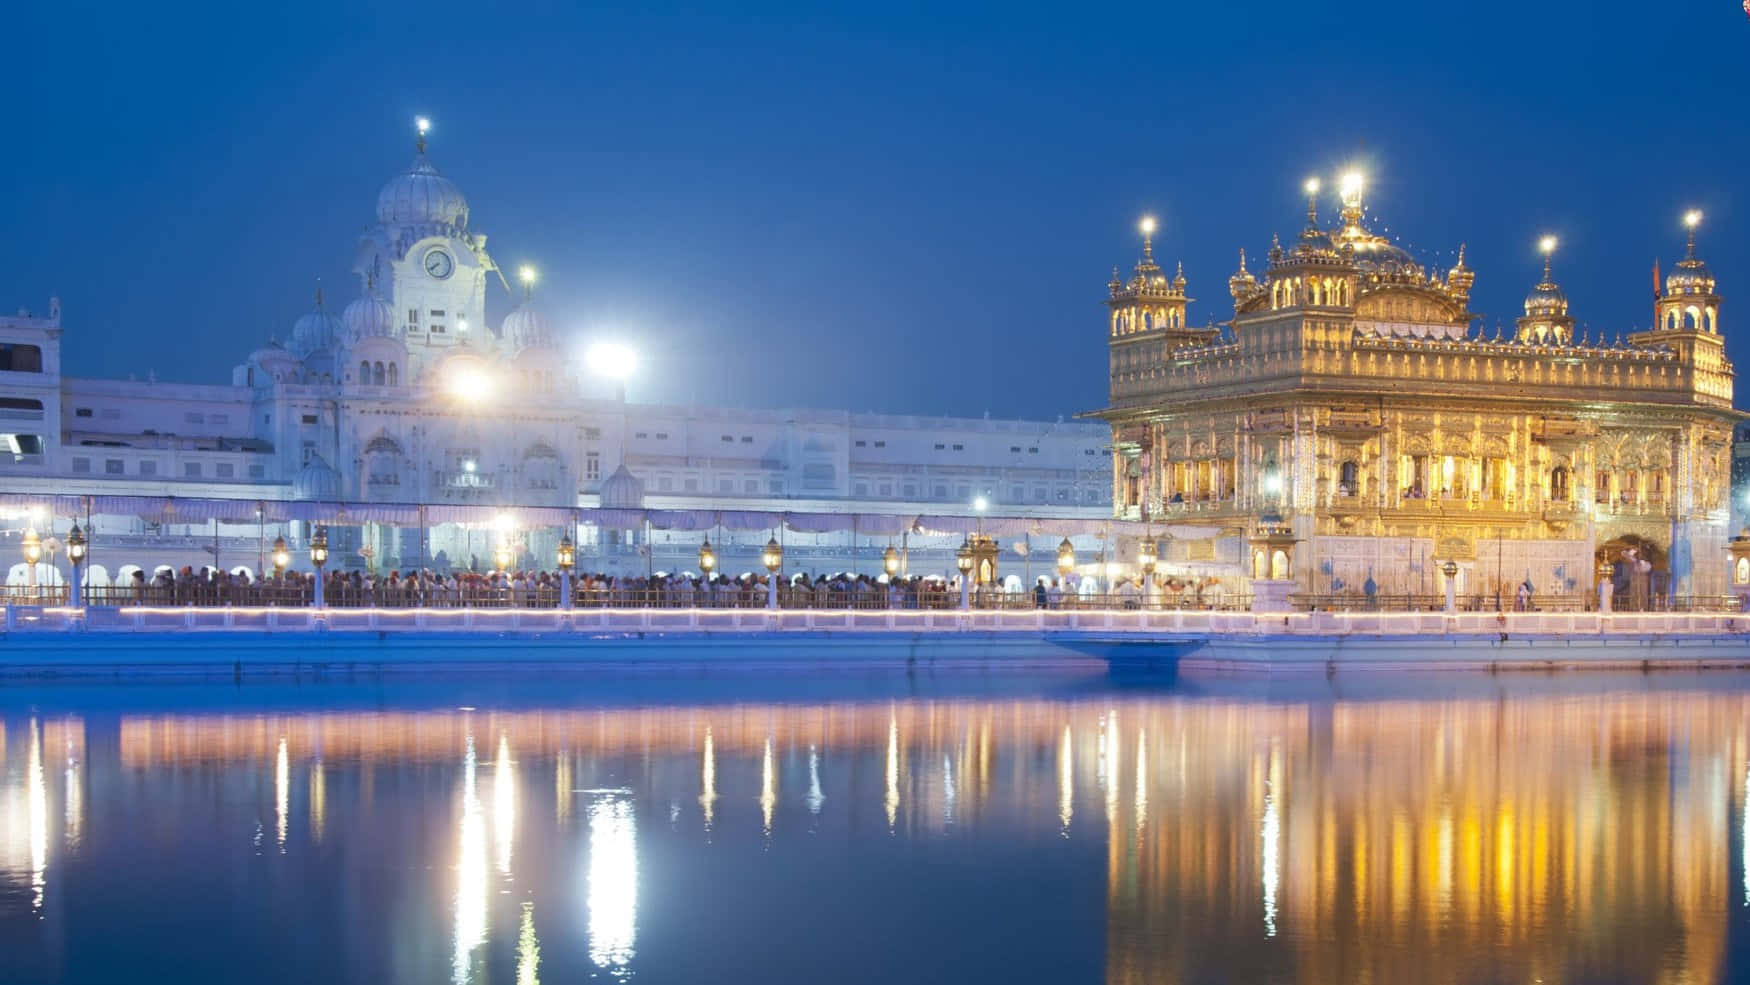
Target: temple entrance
{"type": "Point", "coordinates": [1640, 572]}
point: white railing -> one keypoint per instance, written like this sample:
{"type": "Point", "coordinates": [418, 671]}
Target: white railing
{"type": "Point", "coordinates": [1189, 625]}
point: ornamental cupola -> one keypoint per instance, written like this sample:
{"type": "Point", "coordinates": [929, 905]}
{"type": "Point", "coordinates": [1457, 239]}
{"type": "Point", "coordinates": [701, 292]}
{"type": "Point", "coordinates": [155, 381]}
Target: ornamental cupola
{"type": "Point", "coordinates": [1689, 302]}
{"type": "Point", "coordinates": [1149, 302]}
{"type": "Point", "coordinates": [1460, 278]}
{"type": "Point", "coordinates": [1546, 320]}
{"type": "Point", "coordinates": [315, 331]}
{"type": "Point", "coordinates": [1242, 285]}
{"type": "Point", "coordinates": [421, 196]}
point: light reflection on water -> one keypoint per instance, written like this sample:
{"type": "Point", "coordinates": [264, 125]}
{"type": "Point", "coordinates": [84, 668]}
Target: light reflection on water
{"type": "Point", "coordinates": [1557, 838]}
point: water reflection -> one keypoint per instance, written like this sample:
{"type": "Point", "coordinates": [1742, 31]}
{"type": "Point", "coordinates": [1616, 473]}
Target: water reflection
{"type": "Point", "coordinates": [613, 880]}
{"type": "Point", "coordinates": [1565, 839]}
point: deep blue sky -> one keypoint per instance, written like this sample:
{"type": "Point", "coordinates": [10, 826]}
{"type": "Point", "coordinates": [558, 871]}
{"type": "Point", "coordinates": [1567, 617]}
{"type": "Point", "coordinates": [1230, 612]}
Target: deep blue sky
{"type": "Point", "coordinates": [882, 208]}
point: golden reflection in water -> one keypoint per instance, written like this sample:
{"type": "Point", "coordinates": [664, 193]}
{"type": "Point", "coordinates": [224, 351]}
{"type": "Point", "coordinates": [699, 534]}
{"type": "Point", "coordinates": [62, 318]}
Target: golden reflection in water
{"type": "Point", "coordinates": [504, 803]}
{"type": "Point", "coordinates": [768, 788]}
{"type": "Point", "coordinates": [318, 801]}
{"type": "Point", "coordinates": [282, 793]}
{"type": "Point", "coordinates": [892, 772]}
{"type": "Point", "coordinates": [562, 789]}
{"type": "Point", "coordinates": [1109, 766]}
{"type": "Point", "coordinates": [950, 793]}
{"type": "Point", "coordinates": [470, 872]}
{"type": "Point", "coordinates": [613, 881]}
{"type": "Point", "coordinates": [708, 781]}
{"type": "Point", "coordinates": [528, 950]}
{"type": "Point", "coordinates": [1066, 782]}
{"type": "Point", "coordinates": [1141, 805]}
{"type": "Point", "coordinates": [1559, 840]}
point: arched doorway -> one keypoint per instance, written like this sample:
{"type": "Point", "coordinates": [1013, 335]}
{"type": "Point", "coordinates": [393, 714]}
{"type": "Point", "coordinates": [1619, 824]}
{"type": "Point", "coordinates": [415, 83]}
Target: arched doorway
{"type": "Point", "coordinates": [1640, 571]}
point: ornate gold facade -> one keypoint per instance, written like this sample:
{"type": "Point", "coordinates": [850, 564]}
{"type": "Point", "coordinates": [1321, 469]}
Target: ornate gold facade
{"type": "Point", "coordinates": [1352, 398]}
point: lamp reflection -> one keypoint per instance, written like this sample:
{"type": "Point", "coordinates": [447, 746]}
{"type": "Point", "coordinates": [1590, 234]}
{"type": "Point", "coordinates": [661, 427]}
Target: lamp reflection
{"type": "Point", "coordinates": [708, 781]}
{"type": "Point", "coordinates": [528, 950]}
{"type": "Point", "coordinates": [282, 793]}
{"type": "Point", "coordinates": [768, 788]}
{"type": "Point", "coordinates": [1269, 837]}
{"type": "Point", "coordinates": [504, 803]}
{"type": "Point", "coordinates": [318, 801]}
{"type": "Point", "coordinates": [470, 917]}
{"type": "Point", "coordinates": [816, 799]}
{"type": "Point", "coordinates": [37, 806]}
{"type": "Point", "coordinates": [891, 801]}
{"type": "Point", "coordinates": [613, 881]}
{"type": "Point", "coordinates": [1066, 782]}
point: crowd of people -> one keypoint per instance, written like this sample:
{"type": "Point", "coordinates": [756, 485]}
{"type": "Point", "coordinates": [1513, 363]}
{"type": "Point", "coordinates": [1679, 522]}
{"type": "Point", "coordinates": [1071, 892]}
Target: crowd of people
{"type": "Point", "coordinates": [543, 589]}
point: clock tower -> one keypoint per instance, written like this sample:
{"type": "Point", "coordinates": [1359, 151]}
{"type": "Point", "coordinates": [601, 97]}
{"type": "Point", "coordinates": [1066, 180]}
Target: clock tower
{"type": "Point", "coordinates": [432, 268]}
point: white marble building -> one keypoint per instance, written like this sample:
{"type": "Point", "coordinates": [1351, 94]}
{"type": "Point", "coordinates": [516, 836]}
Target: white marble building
{"type": "Point", "coordinates": [401, 396]}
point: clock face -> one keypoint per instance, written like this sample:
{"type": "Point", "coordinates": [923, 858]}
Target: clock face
{"type": "Point", "coordinates": [438, 264]}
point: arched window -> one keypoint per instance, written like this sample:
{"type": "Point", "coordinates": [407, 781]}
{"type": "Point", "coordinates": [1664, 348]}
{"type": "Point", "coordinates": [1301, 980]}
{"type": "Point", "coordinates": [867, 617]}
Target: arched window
{"type": "Point", "coordinates": [377, 375]}
{"type": "Point", "coordinates": [364, 373]}
{"type": "Point", "coordinates": [1349, 479]}
{"type": "Point", "coordinates": [394, 375]}
{"type": "Point", "coordinates": [1558, 484]}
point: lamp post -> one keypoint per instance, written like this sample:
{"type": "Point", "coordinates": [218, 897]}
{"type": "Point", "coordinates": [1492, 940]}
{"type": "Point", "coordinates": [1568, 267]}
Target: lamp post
{"type": "Point", "coordinates": [501, 554]}
{"type": "Point", "coordinates": [707, 559]}
{"type": "Point", "coordinates": [1606, 590]}
{"type": "Point", "coordinates": [773, 558]}
{"type": "Point", "coordinates": [1450, 570]}
{"type": "Point", "coordinates": [890, 561]}
{"type": "Point", "coordinates": [567, 558]}
{"type": "Point", "coordinates": [1145, 559]}
{"type": "Point", "coordinates": [33, 554]}
{"type": "Point", "coordinates": [963, 561]}
{"type": "Point", "coordinates": [318, 558]}
{"type": "Point", "coordinates": [1066, 559]}
{"type": "Point", "coordinates": [76, 554]}
{"type": "Point", "coordinates": [282, 558]}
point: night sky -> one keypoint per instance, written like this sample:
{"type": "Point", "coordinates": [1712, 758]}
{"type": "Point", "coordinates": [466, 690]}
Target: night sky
{"type": "Point", "coordinates": [890, 208]}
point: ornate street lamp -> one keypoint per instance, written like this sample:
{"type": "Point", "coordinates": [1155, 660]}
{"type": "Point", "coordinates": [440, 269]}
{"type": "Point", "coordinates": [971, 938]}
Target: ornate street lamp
{"type": "Point", "coordinates": [963, 561]}
{"type": "Point", "coordinates": [76, 555]}
{"type": "Point", "coordinates": [890, 561]}
{"type": "Point", "coordinates": [501, 554]}
{"type": "Point", "coordinates": [773, 558]}
{"type": "Point", "coordinates": [707, 558]}
{"type": "Point", "coordinates": [567, 559]}
{"type": "Point", "coordinates": [1145, 557]}
{"type": "Point", "coordinates": [33, 554]}
{"type": "Point", "coordinates": [1066, 558]}
{"type": "Point", "coordinates": [318, 558]}
{"type": "Point", "coordinates": [282, 558]}
{"type": "Point", "coordinates": [1449, 568]}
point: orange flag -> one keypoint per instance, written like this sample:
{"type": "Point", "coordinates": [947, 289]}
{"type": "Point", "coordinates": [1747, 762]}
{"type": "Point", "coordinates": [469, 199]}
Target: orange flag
{"type": "Point", "coordinates": [1656, 261]}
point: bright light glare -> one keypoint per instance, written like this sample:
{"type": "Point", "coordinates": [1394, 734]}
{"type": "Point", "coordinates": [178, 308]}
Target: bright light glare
{"type": "Point", "coordinates": [471, 384]}
{"type": "Point", "coordinates": [1148, 225]}
{"type": "Point", "coordinates": [526, 274]}
{"type": "Point", "coordinates": [611, 359]}
{"type": "Point", "coordinates": [1312, 186]}
{"type": "Point", "coordinates": [504, 522]}
{"type": "Point", "coordinates": [1273, 483]}
{"type": "Point", "coordinates": [1547, 245]}
{"type": "Point", "coordinates": [423, 124]}
{"type": "Point", "coordinates": [1692, 218]}
{"type": "Point", "coordinates": [462, 325]}
{"type": "Point", "coordinates": [1353, 182]}
{"type": "Point", "coordinates": [981, 504]}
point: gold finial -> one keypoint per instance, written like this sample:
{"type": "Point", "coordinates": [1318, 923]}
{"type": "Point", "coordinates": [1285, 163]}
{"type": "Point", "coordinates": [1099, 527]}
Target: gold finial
{"type": "Point", "coordinates": [1546, 245]}
{"type": "Point", "coordinates": [1691, 219]}
{"type": "Point", "coordinates": [1243, 269]}
{"type": "Point", "coordinates": [318, 294]}
{"type": "Point", "coordinates": [526, 274]}
{"type": "Point", "coordinates": [422, 125]}
{"type": "Point", "coordinates": [1353, 183]}
{"type": "Point", "coordinates": [1312, 202]}
{"type": "Point", "coordinates": [1147, 225]}
{"type": "Point", "coordinates": [1461, 254]}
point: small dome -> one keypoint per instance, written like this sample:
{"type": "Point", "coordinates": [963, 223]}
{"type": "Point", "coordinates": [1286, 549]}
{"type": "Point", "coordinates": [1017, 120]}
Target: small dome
{"type": "Point", "coordinates": [419, 196]}
{"type": "Point", "coordinates": [316, 480]}
{"type": "Point", "coordinates": [526, 327]}
{"type": "Point", "coordinates": [316, 330]}
{"type": "Point", "coordinates": [1690, 277]}
{"type": "Point", "coordinates": [275, 363]}
{"type": "Point", "coordinates": [622, 491]}
{"type": "Point", "coordinates": [1546, 299]}
{"type": "Point", "coordinates": [368, 316]}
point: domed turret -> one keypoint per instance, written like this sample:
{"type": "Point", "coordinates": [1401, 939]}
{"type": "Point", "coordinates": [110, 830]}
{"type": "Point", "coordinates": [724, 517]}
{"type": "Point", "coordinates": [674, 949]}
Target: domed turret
{"type": "Point", "coordinates": [526, 327]}
{"type": "Point", "coordinates": [1546, 320]}
{"type": "Point", "coordinates": [422, 196]}
{"type": "Point", "coordinates": [368, 316]}
{"type": "Point", "coordinates": [1460, 278]}
{"type": "Point", "coordinates": [316, 330]}
{"type": "Point", "coordinates": [273, 364]}
{"type": "Point", "coordinates": [622, 491]}
{"type": "Point", "coordinates": [1242, 284]}
{"type": "Point", "coordinates": [316, 480]}
{"type": "Point", "coordinates": [1691, 275]}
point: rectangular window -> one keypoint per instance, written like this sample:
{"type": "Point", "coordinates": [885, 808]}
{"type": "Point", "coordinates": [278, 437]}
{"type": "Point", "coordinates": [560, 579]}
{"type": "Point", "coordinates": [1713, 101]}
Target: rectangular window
{"type": "Point", "coordinates": [1032, 451]}
{"type": "Point", "coordinates": [959, 447]}
{"type": "Point", "coordinates": [110, 413]}
{"type": "Point", "coordinates": [751, 487]}
{"type": "Point", "coordinates": [413, 318]}
{"type": "Point", "coordinates": [148, 468]}
{"type": "Point", "coordinates": [82, 465]}
{"type": "Point", "coordinates": [17, 357]}
{"type": "Point", "coordinates": [725, 485]}
{"type": "Point", "coordinates": [941, 447]}
{"type": "Point", "coordinates": [861, 444]}
{"type": "Point", "coordinates": [729, 438]}
{"type": "Point", "coordinates": [225, 470]}
{"type": "Point", "coordinates": [941, 491]}
{"type": "Point", "coordinates": [747, 439]}
{"type": "Point", "coordinates": [641, 434]}
{"type": "Point", "coordinates": [437, 328]}
{"type": "Point", "coordinates": [692, 485]}
{"type": "Point", "coordinates": [664, 483]}
{"type": "Point", "coordinates": [881, 444]}
{"type": "Point", "coordinates": [592, 434]}
{"type": "Point", "coordinates": [112, 466]}
{"type": "Point", "coordinates": [191, 470]}
{"type": "Point", "coordinates": [194, 417]}
{"type": "Point", "coordinates": [887, 489]}
{"type": "Point", "coordinates": [217, 419]}
{"type": "Point", "coordinates": [862, 489]}
{"type": "Point", "coordinates": [660, 435]}
{"type": "Point", "coordinates": [258, 471]}
{"type": "Point", "coordinates": [437, 312]}
{"type": "Point", "coordinates": [592, 465]}
{"type": "Point", "coordinates": [82, 412]}
{"type": "Point", "coordinates": [309, 418]}
{"type": "Point", "coordinates": [911, 491]}
{"type": "Point", "coordinates": [775, 487]}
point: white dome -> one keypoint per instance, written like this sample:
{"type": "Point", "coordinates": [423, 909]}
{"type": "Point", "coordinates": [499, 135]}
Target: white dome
{"type": "Point", "coordinates": [368, 316]}
{"type": "Point", "coordinates": [316, 480]}
{"type": "Point", "coordinates": [276, 364]}
{"type": "Point", "coordinates": [526, 328]}
{"type": "Point", "coordinates": [419, 196]}
{"type": "Point", "coordinates": [622, 491]}
{"type": "Point", "coordinates": [316, 330]}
